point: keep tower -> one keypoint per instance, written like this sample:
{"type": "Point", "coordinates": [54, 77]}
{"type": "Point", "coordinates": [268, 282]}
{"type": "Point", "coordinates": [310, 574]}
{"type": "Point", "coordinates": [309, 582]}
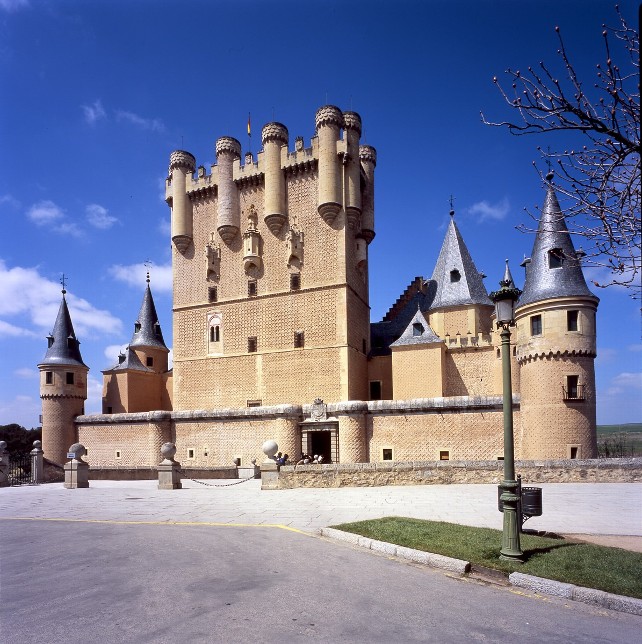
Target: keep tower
{"type": "Point", "coordinates": [63, 387]}
{"type": "Point", "coordinates": [556, 345]}
{"type": "Point", "coordinates": [270, 268]}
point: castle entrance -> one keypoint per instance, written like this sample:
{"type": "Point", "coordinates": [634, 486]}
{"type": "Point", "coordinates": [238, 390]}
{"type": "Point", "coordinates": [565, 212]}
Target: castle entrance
{"type": "Point", "coordinates": [321, 440]}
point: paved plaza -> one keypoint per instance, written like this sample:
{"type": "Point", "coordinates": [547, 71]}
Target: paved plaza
{"type": "Point", "coordinates": [126, 562]}
{"type": "Point", "coordinates": [568, 508]}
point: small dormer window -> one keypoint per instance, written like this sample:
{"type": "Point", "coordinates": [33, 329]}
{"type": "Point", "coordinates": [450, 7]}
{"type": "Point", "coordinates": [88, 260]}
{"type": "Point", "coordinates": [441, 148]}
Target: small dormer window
{"type": "Point", "coordinates": [455, 275]}
{"type": "Point", "coordinates": [70, 342]}
{"type": "Point", "coordinates": [417, 328]}
{"type": "Point", "coordinates": [137, 327]}
{"type": "Point", "coordinates": [50, 341]}
{"type": "Point", "coordinates": [555, 257]}
{"type": "Point", "coordinates": [150, 361]}
{"type": "Point", "coordinates": [157, 329]}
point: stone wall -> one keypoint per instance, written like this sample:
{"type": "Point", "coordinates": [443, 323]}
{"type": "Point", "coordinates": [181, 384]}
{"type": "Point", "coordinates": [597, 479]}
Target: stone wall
{"type": "Point", "coordinates": [614, 470]}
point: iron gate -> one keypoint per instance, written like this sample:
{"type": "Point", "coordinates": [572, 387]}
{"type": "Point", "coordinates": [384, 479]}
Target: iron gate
{"type": "Point", "coordinates": [20, 469]}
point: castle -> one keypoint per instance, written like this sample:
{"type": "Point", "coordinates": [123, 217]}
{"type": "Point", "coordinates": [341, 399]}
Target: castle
{"type": "Point", "coordinates": [273, 339]}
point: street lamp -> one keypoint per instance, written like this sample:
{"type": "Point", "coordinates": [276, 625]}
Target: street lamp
{"type": "Point", "coordinates": [504, 301]}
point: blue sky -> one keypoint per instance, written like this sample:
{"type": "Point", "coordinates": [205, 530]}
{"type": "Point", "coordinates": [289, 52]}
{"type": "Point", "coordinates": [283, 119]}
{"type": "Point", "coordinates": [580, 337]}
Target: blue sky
{"type": "Point", "coordinates": [96, 94]}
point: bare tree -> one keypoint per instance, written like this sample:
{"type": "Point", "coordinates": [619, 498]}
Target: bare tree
{"type": "Point", "coordinates": [601, 175]}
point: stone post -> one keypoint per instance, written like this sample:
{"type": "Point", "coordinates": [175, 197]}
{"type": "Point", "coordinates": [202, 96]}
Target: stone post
{"type": "Point", "coordinates": [76, 470]}
{"type": "Point", "coordinates": [269, 467]}
{"type": "Point", "coordinates": [4, 465]}
{"type": "Point", "coordinates": [37, 465]}
{"type": "Point", "coordinates": [169, 475]}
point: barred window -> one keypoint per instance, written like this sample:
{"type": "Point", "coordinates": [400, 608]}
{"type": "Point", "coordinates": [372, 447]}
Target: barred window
{"type": "Point", "coordinates": [251, 288]}
{"type": "Point", "coordinates": [212, 294]}
{"type": "Point", "coordinates": [295, 281]}
{"type": "Point", "coordinates": [251, 344]}
{"type": "Point", "coordinates": [299, 339]}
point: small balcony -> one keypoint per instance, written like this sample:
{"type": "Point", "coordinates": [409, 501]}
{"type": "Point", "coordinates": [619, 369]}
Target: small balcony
{"type": "Point", "coordinates": [573, 393]}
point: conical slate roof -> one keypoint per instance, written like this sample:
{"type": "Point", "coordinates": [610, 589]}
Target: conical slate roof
{"type": "Point", "coordinates": [147, 330]}
{"type": "Point", "coordinates": [128, 360]}
{"type": "Point", "coordinates": [554, 269]}
{"type": "Point", "coordinates": [417, 332]}
{"type": "Point", "coordinates": [64, 348]}
{"type": "Point", "coordinates": [457, 279]}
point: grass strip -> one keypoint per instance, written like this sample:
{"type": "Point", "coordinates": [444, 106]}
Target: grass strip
{"type": "Point", "coordinates": [609, 569]}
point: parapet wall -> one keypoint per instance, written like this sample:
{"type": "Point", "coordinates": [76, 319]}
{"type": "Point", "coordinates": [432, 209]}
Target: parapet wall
{"type": "Point", "coordinates": [613, 470]}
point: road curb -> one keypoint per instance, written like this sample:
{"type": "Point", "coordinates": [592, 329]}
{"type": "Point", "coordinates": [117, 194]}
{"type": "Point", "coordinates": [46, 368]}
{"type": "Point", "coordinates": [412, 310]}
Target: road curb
{"type": "Point", "coordinates": [540, 585]}
{"type": "Point", "coordinates": [457, 566]}
{"type": "Point", "coordinates": [619, 603]}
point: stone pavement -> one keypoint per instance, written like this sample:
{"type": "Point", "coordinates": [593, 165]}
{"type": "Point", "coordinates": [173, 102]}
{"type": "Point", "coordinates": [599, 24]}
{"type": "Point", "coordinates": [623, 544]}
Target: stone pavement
{"type": "Point", "coordinates": [586, 509]}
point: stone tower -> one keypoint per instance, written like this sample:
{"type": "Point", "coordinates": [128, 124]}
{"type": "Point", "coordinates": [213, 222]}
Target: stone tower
{"type": "Point", "coordinates": [270, 268]}
{"type": "Point", "coordinates": [556, 346]}
{"type": "Point", "coordinates": [63, 387]}
{"type": "Point", "coordinates": [139, 380]}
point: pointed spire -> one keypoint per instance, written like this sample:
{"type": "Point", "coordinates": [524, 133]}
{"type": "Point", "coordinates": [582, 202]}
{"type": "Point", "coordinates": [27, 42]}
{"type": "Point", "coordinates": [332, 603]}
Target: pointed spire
{"type": "Point", "coordinates": [63, 346]}
{"type": "Point", "coordinates": [507, 282]}
{"type": "Point", "coordinates": [554, 269]}
{"type": "Point", "coordinates": [147, 329]}
{"type": "Point", "coordinates": [456, 276]}
{"type": "Point", "coordinates": [417, 332]}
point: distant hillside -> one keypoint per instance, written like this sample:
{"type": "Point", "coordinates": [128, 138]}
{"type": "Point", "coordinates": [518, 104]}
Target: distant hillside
{"type": "Point", "coordinates": [629, 428]}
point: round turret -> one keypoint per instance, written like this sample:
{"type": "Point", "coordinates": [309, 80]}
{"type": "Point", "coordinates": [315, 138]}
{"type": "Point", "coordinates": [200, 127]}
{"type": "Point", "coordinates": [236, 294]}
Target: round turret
{"type": "Point", "coordinates": [368, 157]}
{"type": "Point", "coordinates": [274, 137]}
{"type": "Point", "coordinates": [352, 126]}
{"type": "Point", "coordinates": [181, 164]}
{"type": "Point", "coordinates": [328, 122]}
{"type": "Point", "coordinates": [556, 346]}
{"type": "Point", "coordinates": [63, 387]}
{"type": "Point", "coordinates": [228, 150]}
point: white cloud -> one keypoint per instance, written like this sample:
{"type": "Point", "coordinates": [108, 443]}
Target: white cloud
{"type": "Point", "coordinates": [10, 330]}
{"type": "Point", "coordinates": [45, 213]}
{"type": "Point", "coordinates": [49, 215]}
{"type": "Point", "coordinates": [9, 200]}
{"type": "Point", "coordinates": [94, 402]}
{"type": "Point", "coordinates": [24, 292]}
{"type": "Point", "coordinates": [485, 210]}
{"type": "Point", "coordinates": [93, 113]}
{"type": "Point", "coordinates": [134, 275]}
{"type": "Point", "coordinates": [13, 5]}
{"type": "Point", "coordinates": [99, 217]}
{"type": "Point", "coordinates": [625, 381]}
{"type": "Point", "coordinates": [112, 351]}
{"type": "Point", "coordinates": [155, 125]}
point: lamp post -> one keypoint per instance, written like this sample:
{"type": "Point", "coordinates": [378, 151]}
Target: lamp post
{"type": "Point", "coordinates": [504, 301]}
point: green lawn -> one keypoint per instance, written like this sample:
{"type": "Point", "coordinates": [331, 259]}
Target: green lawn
{"type": "Point", "coordinates": [610, 569]}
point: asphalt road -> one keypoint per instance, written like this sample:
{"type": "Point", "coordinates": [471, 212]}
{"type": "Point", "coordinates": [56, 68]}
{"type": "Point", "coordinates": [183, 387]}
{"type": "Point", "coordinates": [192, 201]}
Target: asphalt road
{"type": "Point", "coordinates": [77, 581]}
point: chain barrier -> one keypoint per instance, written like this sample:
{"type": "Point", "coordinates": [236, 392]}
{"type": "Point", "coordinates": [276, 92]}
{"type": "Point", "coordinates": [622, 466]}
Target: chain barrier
{"type": "Point", "coordinates": [183, 473]}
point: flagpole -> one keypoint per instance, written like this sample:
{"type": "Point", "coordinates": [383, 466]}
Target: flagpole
{"type": "Point", "coordinates": [249, 133]}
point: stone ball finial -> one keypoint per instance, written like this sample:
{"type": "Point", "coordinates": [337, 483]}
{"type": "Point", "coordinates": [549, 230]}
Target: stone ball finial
{"type": "Point", "coordinates": [274, 132]}
{"type": "Point", "coordinates": [182, 159]}
{"type": "Point", "coordinates": [37, 443]}
{"type": "Point", "coordinates": [78, 450]}
{"type": "Point", "coordinates": [168, 451]}
{"type": "Point", "coordinates": [368, 153]}
{"type": "Point", "coordinates": [352, 121]}
{"type": "Point", "coordinates": [228, 144]}
{"type": "Point", "coordinates": [3, 446]}
{"type": "Point", "coordinates": [270, 448]}
{"type": "Point", "coordinates": [328, 115]}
